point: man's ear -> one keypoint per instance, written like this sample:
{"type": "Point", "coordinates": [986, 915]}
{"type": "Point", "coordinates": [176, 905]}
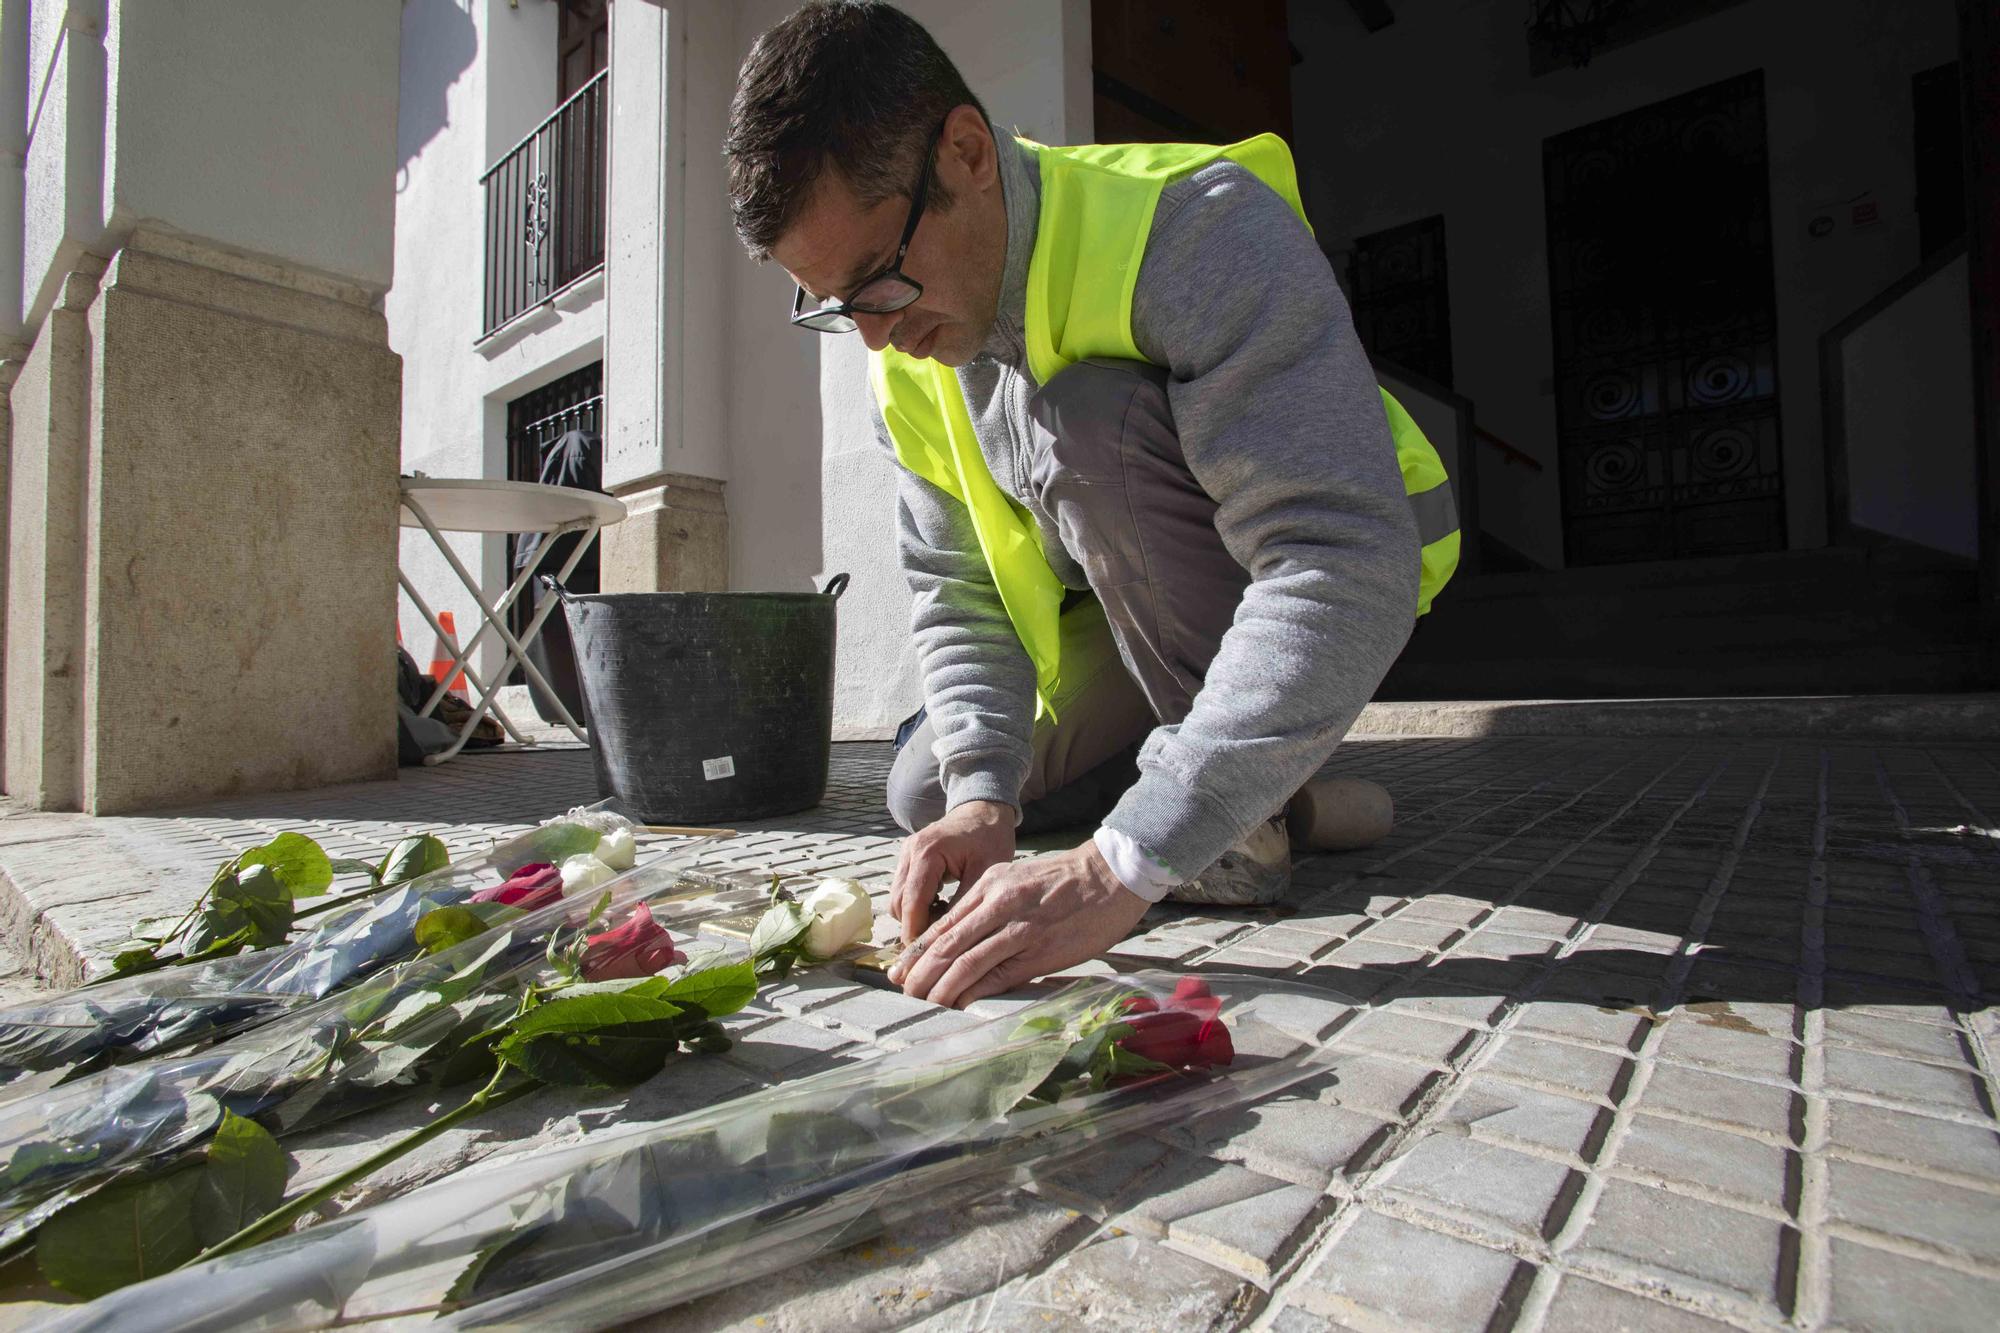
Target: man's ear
{"type": "Point", "coordinates": [966, 157]}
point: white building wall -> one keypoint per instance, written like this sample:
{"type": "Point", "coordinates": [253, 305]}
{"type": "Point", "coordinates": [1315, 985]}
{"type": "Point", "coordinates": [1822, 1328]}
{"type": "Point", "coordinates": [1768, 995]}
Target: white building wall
{"type": "Point", "coordinates": [703, 375]}
{"type": "Point", "coordinates": [476, 77]}
{"type": "Point", "coordinates": [1437, 114]}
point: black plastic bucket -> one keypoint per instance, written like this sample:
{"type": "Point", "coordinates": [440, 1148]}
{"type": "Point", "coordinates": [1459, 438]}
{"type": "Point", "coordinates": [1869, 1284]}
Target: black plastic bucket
{"type": "Point", "coordinates": [708, 706]}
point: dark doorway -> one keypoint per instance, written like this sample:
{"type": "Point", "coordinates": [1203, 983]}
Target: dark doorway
{"type": "Point", "coordinates": [537, 422]}
{"type": "Point", "coordinates": [1661, 298]}
{"type": "Point", "coordinates": [1402, 310]}
{"type": "Point", "coordinates": [1190, 71]}
{"type": "Point", "coordinates": [583, 44]}
{"type": "Point", "coordinates": [1940, 157]}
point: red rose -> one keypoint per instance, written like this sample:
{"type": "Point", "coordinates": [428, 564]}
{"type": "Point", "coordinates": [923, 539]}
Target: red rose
{"type": "Point", "coordinates": [1184, 1033]}
{"type": "Point", "coordinates": [639, 948]}
{"type": "Point", "coordinates": [532, 886]}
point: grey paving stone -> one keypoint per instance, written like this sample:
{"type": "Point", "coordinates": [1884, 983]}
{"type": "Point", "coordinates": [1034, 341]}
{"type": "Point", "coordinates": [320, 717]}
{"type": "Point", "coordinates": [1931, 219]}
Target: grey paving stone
{"type": "Point", "coordinates": [1735, 1165]}
{"type": "Point", "coordinates": [1224, 1213]}
{"type": "Point", "coordinates": [1892, 1079]}
{"type": "Point", "coordinates": [1583, 1306]}
{"type": "Point", "coordinates": [1955, 1220]}
{"type": "Point", "coordinates": [1470, 1009]}
{"type": "Point", "coordinates": [1385, 1270]}
{"type": "Point", "coordinates": [1582, 1021]}
{"type": "Point", "coordinates": [1915, 1041]}
{"type": "Point", "coordinates": [1876, 1291]}
{"type": "Point", "coordinates": [1413, 1039]}
{"type": "Point", "coordinates": [1121, 1282]}
{"type": "Point", "coordinates": [1584, 1070]}
{"type": "Point", "coordinates": [1856, 1129]}
{"type": "Point", "coordinates": [1382, 1087]}
{"type": "Point", "coordinates": [1687, 1244]}
{"type": "Point", "coordinates": [1293, 1138]}
{"type": "Point", "coordinates": [781, 1047]}
{"type": "Point", "coordinates": [1288, 942]}
{"type": "Point", "coordinates": [1715, 1042]}
{"type": "Point", "coordinates": [1524, 1198]}
{"type": "Point", "coordinates": [1517, 1115]}
{"type": "Point", "coordinates": [1698, 1094]}
{"type": "Point", "coordinates": [870, 1013]}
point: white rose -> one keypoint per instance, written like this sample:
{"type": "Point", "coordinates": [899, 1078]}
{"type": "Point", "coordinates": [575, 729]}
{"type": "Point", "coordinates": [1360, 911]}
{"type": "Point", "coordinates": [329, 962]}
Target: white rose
{"type": "Point", "coordinates": [584, 872]}
{"type": "Point", "coordinates": [841, 914]}
{"type": "Point", "coordinates": [617, 849]}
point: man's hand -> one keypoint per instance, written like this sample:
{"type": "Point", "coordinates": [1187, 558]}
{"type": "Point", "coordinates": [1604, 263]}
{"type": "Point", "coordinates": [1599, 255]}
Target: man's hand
{"type": "Point", "coordinates": [1022, 920]}
{"type": "Point", "coordinates": [961, 846]}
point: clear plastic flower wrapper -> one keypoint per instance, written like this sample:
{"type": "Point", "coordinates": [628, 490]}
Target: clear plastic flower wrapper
{"type": "Point", "coordinates": [638, 1219]}
{"type": "Point", "coordinates": [353, 1050]}
{"type": "Point", "coordinates": [161, 1011]}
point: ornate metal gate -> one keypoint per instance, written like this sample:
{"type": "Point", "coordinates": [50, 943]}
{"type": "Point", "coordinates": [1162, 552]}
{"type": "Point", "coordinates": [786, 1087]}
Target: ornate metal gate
{"type": "Point", "coordinates": [1665, 326]}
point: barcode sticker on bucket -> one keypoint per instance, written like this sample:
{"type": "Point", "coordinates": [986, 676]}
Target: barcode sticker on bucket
{"type": "Point", "coordinates": [724, 767]}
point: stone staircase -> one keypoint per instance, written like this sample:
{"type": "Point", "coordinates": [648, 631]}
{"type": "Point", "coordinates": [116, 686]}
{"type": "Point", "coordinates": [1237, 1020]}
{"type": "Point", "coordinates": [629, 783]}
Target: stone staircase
{"type": "Point", "coordinates": [1844, 620]}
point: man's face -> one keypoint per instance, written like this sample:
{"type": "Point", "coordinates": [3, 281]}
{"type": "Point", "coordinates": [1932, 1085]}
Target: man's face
{"type": "Point", "coordinates": [957, 255]}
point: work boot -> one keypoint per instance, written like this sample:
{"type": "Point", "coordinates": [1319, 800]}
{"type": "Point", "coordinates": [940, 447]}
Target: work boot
{"type": "Point", "coordinates": [1256, 870]}
{"type": "Point", "coordinates": [1339, 815]}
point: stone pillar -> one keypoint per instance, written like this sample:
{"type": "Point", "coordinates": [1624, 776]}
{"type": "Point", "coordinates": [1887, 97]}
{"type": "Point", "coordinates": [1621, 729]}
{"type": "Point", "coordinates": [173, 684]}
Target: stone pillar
{"type": "Point", "coordinates": [201, 542]}
{"type": "Point", "coordinates": [244, 438]}
{"type": "Point", "coordinates": [675, 537]}
{"type": "Point", "coordinates": [665, 444]}
{"type": "Point", "coordinates": [47, 478]}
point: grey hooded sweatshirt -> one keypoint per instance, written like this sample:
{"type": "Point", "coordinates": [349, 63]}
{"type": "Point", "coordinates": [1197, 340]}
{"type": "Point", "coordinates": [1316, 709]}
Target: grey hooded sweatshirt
{"type": "Point", "coordinates": [1282, 424]}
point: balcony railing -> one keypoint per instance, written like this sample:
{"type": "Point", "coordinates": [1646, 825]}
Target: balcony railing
{"type": "Point", "coordinates": [545, 208]}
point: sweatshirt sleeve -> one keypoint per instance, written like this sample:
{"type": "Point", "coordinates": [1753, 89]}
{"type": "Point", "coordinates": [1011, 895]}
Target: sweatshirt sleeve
{"type": "Point", "coordinates": [1282, 424]}
{"type": "Point", "coordinates": [979, 684]}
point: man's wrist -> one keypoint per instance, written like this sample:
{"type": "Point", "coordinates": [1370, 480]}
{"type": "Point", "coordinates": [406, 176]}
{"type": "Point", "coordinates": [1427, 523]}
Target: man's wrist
{"type": "Point", "coordinates": [1132, 867]}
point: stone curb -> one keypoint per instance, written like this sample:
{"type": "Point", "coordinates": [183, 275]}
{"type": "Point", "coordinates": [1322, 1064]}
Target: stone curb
{"type": "Point", "coordinates": [1891, 718]}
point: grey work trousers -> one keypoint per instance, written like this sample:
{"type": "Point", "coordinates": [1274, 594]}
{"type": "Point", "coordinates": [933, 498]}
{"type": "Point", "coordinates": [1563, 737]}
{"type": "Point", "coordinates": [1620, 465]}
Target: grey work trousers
{"type": "Point", "coordinates": [1110, 473]}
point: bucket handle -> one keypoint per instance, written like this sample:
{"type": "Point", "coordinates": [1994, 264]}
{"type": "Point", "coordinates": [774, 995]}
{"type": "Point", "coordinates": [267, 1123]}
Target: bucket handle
{"type": "Point", "coordinates": [834, 587]}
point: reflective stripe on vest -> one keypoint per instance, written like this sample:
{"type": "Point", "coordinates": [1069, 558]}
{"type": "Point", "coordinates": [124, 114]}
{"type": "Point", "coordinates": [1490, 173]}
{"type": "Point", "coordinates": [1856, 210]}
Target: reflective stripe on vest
{"type": "Point", "coordinates": [1096, 217]}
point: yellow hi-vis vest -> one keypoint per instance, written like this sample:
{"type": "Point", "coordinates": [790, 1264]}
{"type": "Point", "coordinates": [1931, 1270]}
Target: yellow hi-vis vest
{"type": "Point", "coordinates": [1097, 213]}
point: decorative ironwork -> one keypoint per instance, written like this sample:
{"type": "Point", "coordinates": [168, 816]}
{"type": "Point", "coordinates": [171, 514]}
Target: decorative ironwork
{"type": "Point", "coordinates": [535, 421]}
{"type": "Point", "coordinates": [1569, 30]}
{"type": "Point", "coordinates": [545, 207]}
{"type": "Point", "coordinates": [1402, 309]}
{"type": "Point", "coordinates": [1662, 303]}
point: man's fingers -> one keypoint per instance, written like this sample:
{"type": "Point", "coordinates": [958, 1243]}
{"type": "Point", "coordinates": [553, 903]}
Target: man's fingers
{"type": "Point", "coordinates": [971, 919]}
{"type": "Point", "coordinates": [975, 965]}
{"type": "Point", "coordinates": [1018, 970]}
{"type": "Point", "coordinates": [918, 875]}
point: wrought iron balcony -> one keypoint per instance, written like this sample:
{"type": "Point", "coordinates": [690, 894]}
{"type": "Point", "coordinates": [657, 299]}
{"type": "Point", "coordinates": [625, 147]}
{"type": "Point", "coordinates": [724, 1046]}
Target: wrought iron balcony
{"type": "Point", "coordinates": [545, 208]}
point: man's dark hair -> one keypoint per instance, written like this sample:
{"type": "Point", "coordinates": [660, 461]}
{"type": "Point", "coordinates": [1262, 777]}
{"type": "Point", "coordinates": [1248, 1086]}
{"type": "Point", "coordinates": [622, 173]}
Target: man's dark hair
{"type": "Point", "coordinates": [851, 84]}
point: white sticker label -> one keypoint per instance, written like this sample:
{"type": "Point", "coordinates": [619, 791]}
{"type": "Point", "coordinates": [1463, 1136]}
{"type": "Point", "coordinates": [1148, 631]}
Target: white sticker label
{"type": "Point", "coordinates": [724, 767]}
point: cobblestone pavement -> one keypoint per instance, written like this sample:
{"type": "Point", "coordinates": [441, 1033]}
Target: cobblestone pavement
{"type": "Point", "coordinates": [1648, 1034]}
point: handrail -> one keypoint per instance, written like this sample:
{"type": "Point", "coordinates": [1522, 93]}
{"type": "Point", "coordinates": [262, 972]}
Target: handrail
{"type": "Point", "coordinates": [1510, 454]}
{"type": "Point", "coordinates": [523, 141]}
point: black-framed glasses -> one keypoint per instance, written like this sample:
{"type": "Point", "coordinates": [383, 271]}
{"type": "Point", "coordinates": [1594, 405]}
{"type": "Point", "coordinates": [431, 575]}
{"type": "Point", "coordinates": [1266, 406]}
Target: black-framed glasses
{"type": "Point", "coordinates": [887, 291]}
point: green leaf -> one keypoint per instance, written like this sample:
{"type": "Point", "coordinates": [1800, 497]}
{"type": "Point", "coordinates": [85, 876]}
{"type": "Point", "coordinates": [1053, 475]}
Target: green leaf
{"type": "Point", "coordinates": [121, 1234]}
{"type": "Point", "coordinates": [413, 857]}
{"type": "Point", "coordinates": [347, 866]}
{"type": "Point", "coordinates": [30, 1159]}
{"type": "Point", "coordinates": [716, 990]}
{"type": "Point", "coordinates": [251, 907]}
{"type": "Point", "coordinates": [131, 958]}
{"type": "Point", "coordinates": [782, 927]}
{"type": "Point", "coordinates": [596, 1040]}
{"type": "Point", "coordinates": [455, 925]}
{"type": "Point", "coordinates": [244, 1179]}
{"type": "Point", "coordinates": [296, 860]}
{"type": "Point", "coordinates": [552, 842]}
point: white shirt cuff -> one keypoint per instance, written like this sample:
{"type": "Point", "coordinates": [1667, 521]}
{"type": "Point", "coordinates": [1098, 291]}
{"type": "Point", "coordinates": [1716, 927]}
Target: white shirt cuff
{"type": "Point", "coordinates": [1135, 870]}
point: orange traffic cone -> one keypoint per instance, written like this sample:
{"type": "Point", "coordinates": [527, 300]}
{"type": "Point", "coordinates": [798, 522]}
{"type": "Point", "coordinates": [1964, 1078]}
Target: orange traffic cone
{"type": "Point", "coordinates": [441, 655]}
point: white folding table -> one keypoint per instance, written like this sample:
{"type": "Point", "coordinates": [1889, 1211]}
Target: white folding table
{"type": "Point", "coordinates": [478, 505]}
